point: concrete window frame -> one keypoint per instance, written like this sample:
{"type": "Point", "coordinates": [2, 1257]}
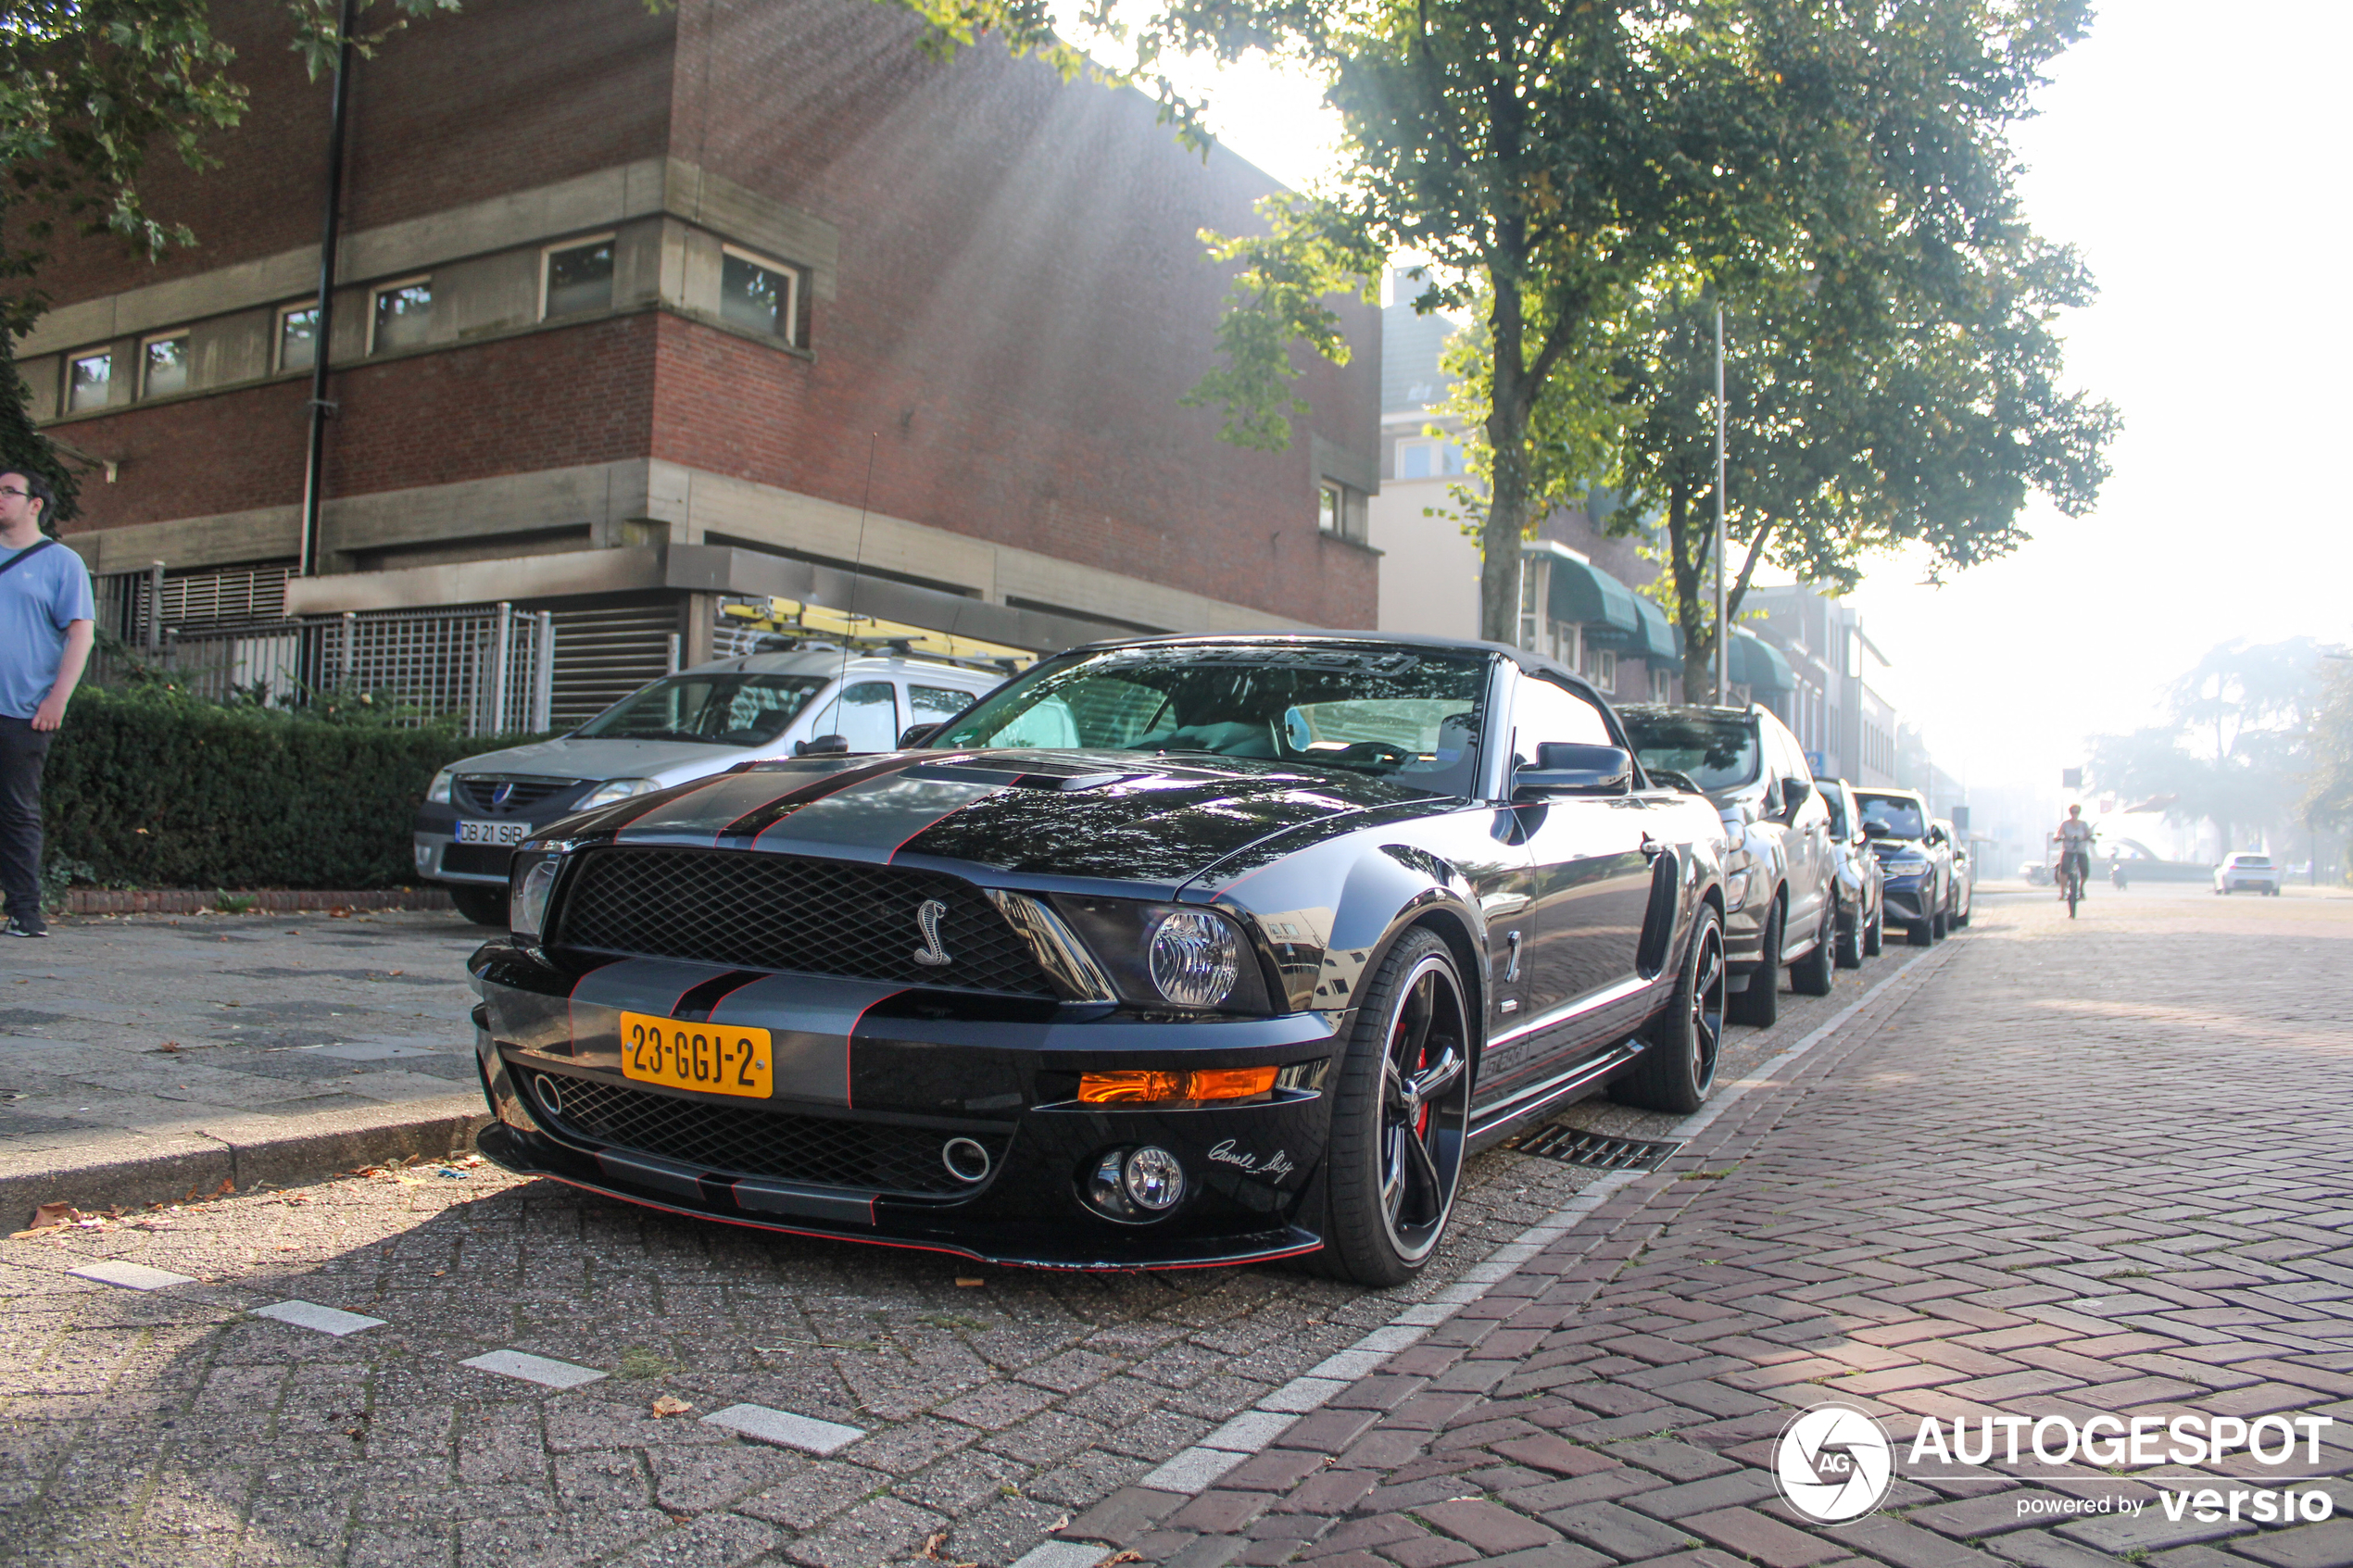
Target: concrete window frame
{"type": "Point", "coordinates": [1331, 507]}
{"type": "Point", "coordinates": [375, 307]}
{"type": "Point", "coordinates": [1662, 685]}
{"type": "Point", "coordinates": [99, 388]}
{"type": "Point", "coordinates": [176, 370]}
{"type": "Point", "coordinates": [548, 254]}
{"type": "Point", "coordinates": [279, 360]}
{"type": "Point", "coordinates": [1600, 668]}
{"type": "Point", "coordinates": [788, 309]}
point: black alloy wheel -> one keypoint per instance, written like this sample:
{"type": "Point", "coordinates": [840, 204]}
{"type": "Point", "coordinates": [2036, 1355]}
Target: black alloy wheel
{"type": "Point", "coordinates": [1810, 976]}
{"type": "Point", "coordinates": [1847, 951]}
{"type": "Point", "coordinates": [1400, 1116]}
{"type": "Point", "coordinates": [1679, 1069]}
{"type": "Point", "coordinates": [483, 906]}
{"type": "Point", "coordinates": [1759, 1004]}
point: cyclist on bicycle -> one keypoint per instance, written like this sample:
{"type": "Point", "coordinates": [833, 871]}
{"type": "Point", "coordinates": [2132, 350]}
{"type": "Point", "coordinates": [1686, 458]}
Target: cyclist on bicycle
{"type": "Point", "coordinates": [2075, 837]}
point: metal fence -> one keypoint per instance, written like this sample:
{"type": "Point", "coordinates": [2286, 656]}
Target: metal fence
{"type": "Point", "coordinates": [490, 667]}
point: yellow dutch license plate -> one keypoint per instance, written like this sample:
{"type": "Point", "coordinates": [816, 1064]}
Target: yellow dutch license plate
{"type": "Point", "coordinates": [718, 1059]}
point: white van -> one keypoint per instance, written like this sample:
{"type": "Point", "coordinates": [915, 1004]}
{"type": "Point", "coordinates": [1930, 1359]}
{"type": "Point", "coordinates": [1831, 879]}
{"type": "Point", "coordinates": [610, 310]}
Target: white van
{"type": "Point", "coordinates": [686, 726]}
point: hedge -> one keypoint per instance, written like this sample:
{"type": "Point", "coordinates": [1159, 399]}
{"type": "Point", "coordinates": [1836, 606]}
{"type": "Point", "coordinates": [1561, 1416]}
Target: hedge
{"type": "Point", "coordinates": [156, 789]}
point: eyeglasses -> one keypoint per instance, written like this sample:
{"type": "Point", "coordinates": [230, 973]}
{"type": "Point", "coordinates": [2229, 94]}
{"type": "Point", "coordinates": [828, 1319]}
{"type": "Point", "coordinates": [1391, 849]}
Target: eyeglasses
{"type": "Point", "coordinates": [20, 495]}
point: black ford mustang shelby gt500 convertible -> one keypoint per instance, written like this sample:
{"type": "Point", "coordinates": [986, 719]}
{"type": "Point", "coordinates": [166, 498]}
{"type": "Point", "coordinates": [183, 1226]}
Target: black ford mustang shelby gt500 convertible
{"type": "Point", "coordinates": [1189, 951]}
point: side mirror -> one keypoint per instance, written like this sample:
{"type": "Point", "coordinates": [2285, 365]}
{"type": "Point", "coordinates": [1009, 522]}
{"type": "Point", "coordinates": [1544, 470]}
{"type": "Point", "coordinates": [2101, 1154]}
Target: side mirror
{"type": "Point", "coordinates": [1565, 768]}
{"type": "Point", "coordinates": [914, 735]}
{"type": "Point", "coordinates": [1795, 794]}
{"type": "Point", "coordinates": [822, 745]}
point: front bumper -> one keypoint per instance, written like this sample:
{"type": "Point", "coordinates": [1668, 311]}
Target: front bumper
{"type": "Point", "coordinates": [872, 1083]}
{"type": "Point", "coordinates": [1908, 898]}
{"type": "Point", "coordinates": [438, 856]}
{"type": "Point", "coordinates": [2254, 884]}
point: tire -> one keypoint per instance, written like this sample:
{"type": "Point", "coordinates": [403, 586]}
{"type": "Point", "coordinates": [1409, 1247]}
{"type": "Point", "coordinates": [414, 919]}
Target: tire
{"type": "Point", "coordinates": [1937, 929]}
{"type": "Point", "coordinates": [1918, 935]}
{"type": "Point", "coordinates": [1396, 1157]}
{"type": "Point", "coordinates": [1875, 938]}
{"type": "Point", "coordinates": [483, 906]}
{"type": "Point", "coordinates": [1810, 976]}
{"type": "Point", "coordinates": [1759, 1004]}
{"type": "Point", "coordinates": [1847, 951]}
{"type": "Point", "coordinates": [1960, 921]}
{"type": "Point", "coordinates": [1679, 1069]}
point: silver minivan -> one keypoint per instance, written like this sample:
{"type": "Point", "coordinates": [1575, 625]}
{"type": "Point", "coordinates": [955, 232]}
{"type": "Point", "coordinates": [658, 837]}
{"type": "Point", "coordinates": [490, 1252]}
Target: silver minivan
{"type": "Point", "coordinates": [686, 726]}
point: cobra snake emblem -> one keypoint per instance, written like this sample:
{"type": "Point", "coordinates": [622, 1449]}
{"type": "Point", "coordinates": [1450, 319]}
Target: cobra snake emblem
{"type": "Point", "coordinates": [927, 916]}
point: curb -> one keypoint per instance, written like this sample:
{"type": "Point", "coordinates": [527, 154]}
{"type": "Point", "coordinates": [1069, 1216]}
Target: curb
{"type": "Point", "coordinates": [199, 1162]}
{"type": "Point", "coordinates": [190, 901]}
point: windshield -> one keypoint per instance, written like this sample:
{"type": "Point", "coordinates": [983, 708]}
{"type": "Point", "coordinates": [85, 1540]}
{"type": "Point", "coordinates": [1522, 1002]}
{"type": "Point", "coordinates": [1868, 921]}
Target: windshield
{"type": "Point", "coordinates": [1713, 753]}
{"type": "Point", "coordinates": [1891, 816]}
{"type": "Point", "coordinates": [1403, 714]}
{"type": "Point", "coordinates": [717, 710]}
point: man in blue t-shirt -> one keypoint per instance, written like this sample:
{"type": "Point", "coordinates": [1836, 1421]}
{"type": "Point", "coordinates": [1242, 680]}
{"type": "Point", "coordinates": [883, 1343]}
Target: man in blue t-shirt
{"type": "Point", "coordinates": [46, 626]}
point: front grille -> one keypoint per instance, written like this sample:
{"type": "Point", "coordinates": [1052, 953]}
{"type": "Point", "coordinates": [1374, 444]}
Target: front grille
{"type": "Point", "coordinates": [749, 911]}
{"type": "Point", "coordinates": [475, 793]}
{"type": "Point", "coordinates": [737, 1140]}
{"type": "Point", "coordinates": [476, 859]}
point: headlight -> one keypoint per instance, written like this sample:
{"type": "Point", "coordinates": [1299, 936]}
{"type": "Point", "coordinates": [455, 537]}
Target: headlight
{"type": "Point", "coordinates": [1167, 955]}
{"type": "Point", "coordinates": [1910, 860]}
{"type": "Point", "coordinates": [438, 791]}
{"type": "Point", "coordinates": [612, 790]}
{"type": "Point", "coordinates": [532, 884]}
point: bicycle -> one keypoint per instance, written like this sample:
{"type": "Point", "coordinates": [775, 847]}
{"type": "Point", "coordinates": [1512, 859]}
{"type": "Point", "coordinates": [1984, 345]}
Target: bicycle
{"type": "Point", "coordinates": [2070, 879]}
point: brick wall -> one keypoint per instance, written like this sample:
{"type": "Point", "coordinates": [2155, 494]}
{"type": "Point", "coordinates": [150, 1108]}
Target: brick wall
{"type": "Point", "coordinates": [1023, 301]}
{"type": "Point", "coordinates": [500, 96]}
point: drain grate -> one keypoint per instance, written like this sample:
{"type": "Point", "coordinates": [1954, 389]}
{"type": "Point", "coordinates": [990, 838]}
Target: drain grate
{"type": "Point", "coordinates": [1575, 1145]}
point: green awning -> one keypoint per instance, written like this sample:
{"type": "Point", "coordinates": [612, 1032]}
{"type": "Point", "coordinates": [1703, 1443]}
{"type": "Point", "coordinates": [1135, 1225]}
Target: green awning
{"type": "Point", "coordinates": [1758, 665]}
{"type": "Point", "coordinates": [1654, 638]}
{"type": "Point", "coordinates": [1582, 593]}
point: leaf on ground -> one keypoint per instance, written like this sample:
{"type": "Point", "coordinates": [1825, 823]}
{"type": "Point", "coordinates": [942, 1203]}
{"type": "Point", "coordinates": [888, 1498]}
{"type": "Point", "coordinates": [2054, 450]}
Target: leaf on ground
{"type": "Point", "coordinates": [671, 1404]}
{"type": "Point", "coordinates": [49, 1215]}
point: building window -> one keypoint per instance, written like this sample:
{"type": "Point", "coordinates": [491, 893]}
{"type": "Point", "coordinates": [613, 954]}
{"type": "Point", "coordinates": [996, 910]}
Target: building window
{"type": "Point", "coordinates": [1330, 509]}
{"type": "Point", "coordinates": [88, 381]}
{"type": "Point", "coordinates": [578, 279]}
{"type": "Point", "coordinates": [1662, 684]}
{"type": "Point", "coordinates": [402, 316]}
{"type": "Point", "coordinates": [1428, 459]}
{"type": "Point", "coordinates": [163, 365]}
{"type": "Point", "coordinates": [760, 296]}
{"type": "Point", "coordinates": [298, 337]}
{"type": "Point", "coordinates": [1600, 668]}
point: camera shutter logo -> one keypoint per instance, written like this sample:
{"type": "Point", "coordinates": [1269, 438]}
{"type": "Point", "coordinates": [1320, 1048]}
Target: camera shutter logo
{"type": "Point", "coordinates": [1833, 1463]}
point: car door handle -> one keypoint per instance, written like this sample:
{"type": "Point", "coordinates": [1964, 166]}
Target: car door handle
{"type": "Point", "coordinates": [1651, 847]}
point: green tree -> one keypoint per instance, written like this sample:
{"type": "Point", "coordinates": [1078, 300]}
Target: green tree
{"type": "Point", "coordinates": [2244, 747]}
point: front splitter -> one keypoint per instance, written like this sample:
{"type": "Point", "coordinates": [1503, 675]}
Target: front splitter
{"type": "Point", "coordinates": [501, 1146]}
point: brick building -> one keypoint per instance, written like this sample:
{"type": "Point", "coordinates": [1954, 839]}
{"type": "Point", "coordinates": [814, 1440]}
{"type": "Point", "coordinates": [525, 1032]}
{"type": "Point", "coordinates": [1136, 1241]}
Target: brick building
{"type": "Point", "coordinates": [638, 310]}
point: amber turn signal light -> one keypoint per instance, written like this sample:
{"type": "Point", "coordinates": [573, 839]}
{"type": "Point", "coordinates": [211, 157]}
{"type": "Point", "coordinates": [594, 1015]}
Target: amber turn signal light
{"type": "Point", "coordinates": [1144, 1088]}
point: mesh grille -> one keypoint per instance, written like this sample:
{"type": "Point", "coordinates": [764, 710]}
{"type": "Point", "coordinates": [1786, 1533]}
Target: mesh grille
{"type": "Point", "coordinates": [773, 911]}
{"type": "Point", "coordinates": [476, 795]}
{"type": "Point", "coordinates": [824, 1150]}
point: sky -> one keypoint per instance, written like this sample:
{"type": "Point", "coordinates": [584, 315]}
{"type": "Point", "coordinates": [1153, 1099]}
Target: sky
{"type": "Point", "coordinates": [2190, 153]}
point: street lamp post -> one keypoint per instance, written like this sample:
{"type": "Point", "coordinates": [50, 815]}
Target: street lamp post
{"type": "Point", "coordinates": [1723, 630]}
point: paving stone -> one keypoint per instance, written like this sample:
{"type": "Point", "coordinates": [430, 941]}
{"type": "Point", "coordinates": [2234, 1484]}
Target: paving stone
{"type": "Point", "coordinates": [1626, 1535]}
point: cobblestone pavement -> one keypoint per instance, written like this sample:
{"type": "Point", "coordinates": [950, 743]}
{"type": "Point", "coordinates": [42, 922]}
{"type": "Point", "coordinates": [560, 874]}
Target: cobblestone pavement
{"type": "Point", "coordinates": [173, 1427]}
{"type": "Point", "coordinates": [119, 1032]}
{"type": "Point", "coordinates": [2059, 1170]}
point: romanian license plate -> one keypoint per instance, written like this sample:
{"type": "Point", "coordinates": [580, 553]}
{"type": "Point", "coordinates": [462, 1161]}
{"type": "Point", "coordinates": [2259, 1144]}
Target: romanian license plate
{"type": "Point", "coordinates": [508, 833]}
{"type": "Point", "coordinates": [718, 1059]}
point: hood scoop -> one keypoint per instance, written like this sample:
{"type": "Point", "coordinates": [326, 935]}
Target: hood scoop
{"type": "Point", "coordinates": [1019, 774]}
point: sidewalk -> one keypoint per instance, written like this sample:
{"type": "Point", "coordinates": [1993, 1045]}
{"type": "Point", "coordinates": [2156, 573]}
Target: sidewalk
{"type": "Point", "coordinates": [146, 1057]}
{"type": "Point", "coordinates": [2056, 1170]}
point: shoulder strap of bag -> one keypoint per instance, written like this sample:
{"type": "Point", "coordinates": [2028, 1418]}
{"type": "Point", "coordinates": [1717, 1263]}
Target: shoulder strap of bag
{"type": "Point", "coordinates": [20, 557]}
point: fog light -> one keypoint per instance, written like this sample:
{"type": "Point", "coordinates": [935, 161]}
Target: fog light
{"type": "Point", "coordinates": [550, 1096]}
{"type": "Point", "coordinates": [1153, 1179]}
{"type": "Point", "coordinates": [1133, 1186]}
{"type": "Point", "coordinates": [966, 1159]}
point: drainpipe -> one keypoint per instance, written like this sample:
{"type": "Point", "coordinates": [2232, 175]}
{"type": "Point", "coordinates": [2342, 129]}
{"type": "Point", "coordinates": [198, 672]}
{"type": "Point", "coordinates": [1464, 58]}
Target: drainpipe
{"type": "Point", "coordinates": [322, 329]}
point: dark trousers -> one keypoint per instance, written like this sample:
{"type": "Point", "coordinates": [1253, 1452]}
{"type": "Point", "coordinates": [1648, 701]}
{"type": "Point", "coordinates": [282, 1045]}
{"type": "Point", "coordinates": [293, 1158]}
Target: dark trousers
{"type": "Point", "coordinates": [23, 749]}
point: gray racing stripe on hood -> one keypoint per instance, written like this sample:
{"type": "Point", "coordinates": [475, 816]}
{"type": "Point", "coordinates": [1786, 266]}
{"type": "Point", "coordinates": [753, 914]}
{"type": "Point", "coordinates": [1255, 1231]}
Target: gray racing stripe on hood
{"type": "Point", "coordinates": [870, 820]}
{"type": "Point", "coordinates": [810, 1018]}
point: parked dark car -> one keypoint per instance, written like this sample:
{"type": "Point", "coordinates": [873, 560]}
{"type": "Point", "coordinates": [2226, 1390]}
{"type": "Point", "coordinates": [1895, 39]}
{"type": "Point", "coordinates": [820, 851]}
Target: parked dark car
{"type": "Point", "coordinates": [1859, 886]}
{"type": "Point", "coordinates": [1241, 973]}
{"type": "Point", "coordinates": [1916, 855]}
{"type": "Point", "coordinates": [1779, 873]}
